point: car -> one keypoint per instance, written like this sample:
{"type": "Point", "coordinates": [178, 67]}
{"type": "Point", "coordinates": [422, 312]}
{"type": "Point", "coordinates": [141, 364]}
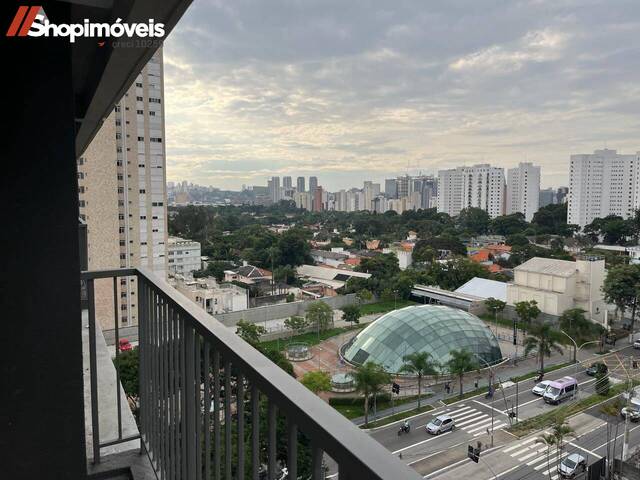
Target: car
{"type": "Point", "coordinates": [441, 424]}
{"type": "Point", "coordinates": [559, 390]}
{"type": "Point", "coordinates": [125, 345]}
{"type": "Point", "coordinates": [540, 387]}
{"type": "Point", "coordinates": [635, 394]}
{"type": "Point", "coordinates": [634, 414]}
{"type": "Point", "coordinates": [568, 467]}
{"type": "Point", "coordinates": [636, 344]}
{"type": "Point", "coordinates": [597, 368]}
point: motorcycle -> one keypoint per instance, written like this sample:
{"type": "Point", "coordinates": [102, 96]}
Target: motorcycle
{"type": "Point", "coordinates": [404, 428]}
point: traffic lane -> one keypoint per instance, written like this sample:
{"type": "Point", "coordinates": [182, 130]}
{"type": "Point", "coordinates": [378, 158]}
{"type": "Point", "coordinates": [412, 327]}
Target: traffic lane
{"type": "Point", "coordinates": [468, 416]}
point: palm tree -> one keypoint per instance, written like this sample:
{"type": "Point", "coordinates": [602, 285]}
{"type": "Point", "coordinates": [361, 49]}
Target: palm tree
{"type": "Point", "coordinates": [419, 364]}
{"type": "Point", "coordinates": [541, 339]}
{"type": "Point", "coordinates": [560, 429]}
{"type": "Point", "coordinates": [369, 380]}
{"type": "Point", "coordinates": [460, 362]}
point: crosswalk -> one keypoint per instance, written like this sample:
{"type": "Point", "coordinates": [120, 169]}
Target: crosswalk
{"type": "Point", "coordinates": [474, 421]}
{"type": "Point", "coordinates": [541, 458]}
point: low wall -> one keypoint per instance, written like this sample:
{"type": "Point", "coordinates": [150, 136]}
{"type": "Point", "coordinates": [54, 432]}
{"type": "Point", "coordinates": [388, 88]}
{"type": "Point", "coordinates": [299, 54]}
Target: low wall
{"type": "Point", "coordinates": [282, 310]}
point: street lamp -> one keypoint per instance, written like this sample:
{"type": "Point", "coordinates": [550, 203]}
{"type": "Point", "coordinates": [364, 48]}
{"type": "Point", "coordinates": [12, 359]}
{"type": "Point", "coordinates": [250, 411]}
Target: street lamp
{"type": "Point", "coordinates": [577, 348]}
{"type": "Point", "coordinates": [490, 389]}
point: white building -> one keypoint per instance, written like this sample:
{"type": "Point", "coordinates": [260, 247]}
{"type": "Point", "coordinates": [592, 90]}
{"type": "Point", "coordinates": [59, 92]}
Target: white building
{"type": "Point", "coordinates": [184, 255]}
{"type": "Point", "coordinates": [523, 190]}
{"type": "Point", "coordinates": [479, 186]}
{"type": "Point", "coordinates": [403, 252]}
{"type": "Point", "coordinates": [211, 296]}
{"type": "Point", "coordinates": [602, 183]}
{"type": "Point", "coordinates": [558, 285]}
{"type": "Point", "coordinates": [330, 258]}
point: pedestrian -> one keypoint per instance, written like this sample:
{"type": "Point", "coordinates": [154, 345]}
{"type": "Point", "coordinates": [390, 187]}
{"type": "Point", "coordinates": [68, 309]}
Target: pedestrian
{"type": "Point", "coordinates": [476, 384]}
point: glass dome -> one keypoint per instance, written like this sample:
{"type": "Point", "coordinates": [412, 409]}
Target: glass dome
{"type": "Point", "coordinates": [434, 329]}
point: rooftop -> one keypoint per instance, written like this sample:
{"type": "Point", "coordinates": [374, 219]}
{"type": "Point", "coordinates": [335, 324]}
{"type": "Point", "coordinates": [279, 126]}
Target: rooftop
{"type": "Point", "coordinates": [484, 288]}
{"type": "Point", "coordinates": [329, 254]}
{"type": "Point", "coordinates": [548, 266]}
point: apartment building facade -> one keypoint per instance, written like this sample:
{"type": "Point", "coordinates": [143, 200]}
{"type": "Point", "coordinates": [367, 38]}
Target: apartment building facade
{"type": "Point", "coordinates": [480, 186]}
{"type": "Point", "coordinates": [523, 190]}
{"type": "Point", "coordinates": [132, 191]}
{"type": "Point", "coordinates": [183, 256]}
{"type": "Point", "coordinates": [602, 183]}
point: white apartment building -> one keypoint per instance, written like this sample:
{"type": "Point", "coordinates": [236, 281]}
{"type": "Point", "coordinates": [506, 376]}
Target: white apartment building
{"type": "Point", "coordinates": [602, 183]}
{"type": "Point", "coordinates": [132, 195]}
{"type": "Point", "coordinates": [211, 296]}
{"type": "Point", "coordinates": [480, 186]}
{"type": "Point", "coordinates": [184, 256]}
{"type": "Point", "coordinates": [558, 285]}
{"type": "Point", "coordinates": [523, 190]}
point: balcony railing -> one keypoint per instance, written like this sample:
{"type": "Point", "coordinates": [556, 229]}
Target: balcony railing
{"type": "Point", "coordinates": [213, 407]}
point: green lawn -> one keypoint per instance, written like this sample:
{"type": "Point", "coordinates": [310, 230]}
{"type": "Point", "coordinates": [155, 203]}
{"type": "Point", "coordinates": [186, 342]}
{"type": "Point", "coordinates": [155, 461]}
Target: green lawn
{"type": "Point", "coordinates": [385, 306]}
{"type": "Point", "coordinates": [310, 338]}
{"type": "Point", "coordinates": [356, 409]}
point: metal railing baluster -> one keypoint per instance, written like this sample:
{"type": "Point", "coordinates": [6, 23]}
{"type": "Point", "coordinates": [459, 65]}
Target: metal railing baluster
{"type": "Point", "coordinates": [116, 323]}
{"type": "Point", "coordinates": [93, 367]}
{"type": "Point", "coordinates": [227, 420]}
{"type": "Point", "coordinates": [198, 401]}
{"type": "Point", "coordinates": [240, 416]}
{"type": "Point", "coordinates": [207, 410]}
{"type": "Point", "coordinates": [271, 443]}
{"type": "Point", "coordinates": [292, 448]}
{"type": "Point", "coordinates": [255, 431]}
{"type": "Point", "coordinates": [190, 403]}
{"type": "Point", "coordinates": [216, 416]}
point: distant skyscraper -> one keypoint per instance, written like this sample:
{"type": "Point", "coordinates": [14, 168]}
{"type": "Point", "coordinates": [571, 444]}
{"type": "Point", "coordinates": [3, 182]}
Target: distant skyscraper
{"type": "Point", "coordinates": [479, 186]}
{"type": "Point", "coordinates": [523, 190]}
{"type": "Point", "coordinates": [561, 194]}
{"type": "Point", "coordinates": [317, 198]}
{"type": "Point", "coordinates": [404, 185]}
{"type": "Point", "coordinates": [391, 188]}
{"type": "Point", "coordinates": [286, 182]}
{"type": "Point", "coordinates": [274, 189]}
{"type": "Point", "coordinates": [300, 184]}
{"type": "Point", "coordinates": [313, 184]}
{"type": "Point", "coordinates": [603, 183]}
{"type": "Point", "coordinates": [547, 197]}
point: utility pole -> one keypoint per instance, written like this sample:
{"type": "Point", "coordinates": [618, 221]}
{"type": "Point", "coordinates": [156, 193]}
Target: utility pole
{"type": "Point", "coordinates": [490, 390]}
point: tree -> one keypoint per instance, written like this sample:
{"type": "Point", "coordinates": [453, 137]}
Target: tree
{"type": "Point", "coordinates": [602, 383]}
{"type": "Point", "coordinates": [613, 228]}
{"type": "Point", "coordinates": [473, 221]}
{"type": "Point", "coordinates": [369, 380]}
{"type": "Point", "coordinates": [560, 429]}
{"type": "Point", "coordinates": [317, 381]}
{"type": "Point", "coordinates": [460, 362]}
{"type": "Point", "coordinates": [250, 332]}
{"type": "Point", "coordinates": [622, 288]}
{"type": "Point", "coordinates": [517, 240]}
{"type": "Point", "coordinates": [351, 314]}
{"type": "Point", "coordinates": [541, 338]}
{"type": "Point", "coordinates": [455, 273]}
{"type": "Point", "coordinates": [495, 306]}
{"type": "Point", "coordinates": [419, 364]}
{"type": "Point", "coordinates": [293, 248]}
{"type": "Point", "coordinates": [320, 315]}
{"type": "Point", "coordinates": [552, 218]}
{"type": "Point", "coordinates": [443, 242]}
{"type": "Point", "coordinates": [509, 224]}
{"type": "Point", "coordinates": [296, 324]}
{"type": "Point", "coordinates": [279, 359]}
{"type": "Point", "coordinates": [576, 324]}
{"type": "Point", "coordinates": [527, 311]}
{"type": "Point", "coordinates": [364, 295]}
{"type": "Point", "coordinates": [381, 266]}
{"type": "Point", "coordinates": [424, 253]}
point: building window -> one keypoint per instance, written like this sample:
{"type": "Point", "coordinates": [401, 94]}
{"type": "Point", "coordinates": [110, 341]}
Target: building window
{"type": "Point", "coordinates": [138, 84]}
{"type": "Point", "coordinates": [152, 113]}
{"type": "Point", "coordinates": [154, 100]}
{"type": "Point", "coordinates": [141, 139]}
{"type": "Point", "coordinates": [155, 139]}
{"type": "Point", "coordinates": [80, 175]}
{"type": "Point", "coordinates": [140, 112]}
{"type": "Point", "coordinates": [142, 190]}
{"type": "Point", "coordinates": [139, 99]}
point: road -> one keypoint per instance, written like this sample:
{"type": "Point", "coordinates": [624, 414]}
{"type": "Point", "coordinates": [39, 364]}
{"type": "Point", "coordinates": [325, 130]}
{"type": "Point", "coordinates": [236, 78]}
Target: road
{"type": "Point", "coordinates": [431, 455]}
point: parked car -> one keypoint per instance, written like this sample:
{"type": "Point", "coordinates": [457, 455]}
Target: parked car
{"type": "Point", "coordinates": [635, 394]}
{"type": "Point", "coordinates": [636, 343]}
{"type": "Point", "coordinates": [559, 390]}
{"type": "Point", "coordinates": [597, 368]}
{"type": "Point", "coordinates": [540, 387]}
{"type": "Point", "coordinates": [568, 467]}
{"type": "Point", "coordinates": [125, 345]}
{"type": "Point", "coordinates": [441, 424]}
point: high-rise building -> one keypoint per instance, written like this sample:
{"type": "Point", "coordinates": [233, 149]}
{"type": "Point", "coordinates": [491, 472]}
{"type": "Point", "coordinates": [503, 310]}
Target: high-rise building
{"type": "Point", "coordinates": [318, 205]}
{"type": "Point", "coordinates": [313, 184]}
{"type": "Point", "coordinates": [135, 200]}
{"type": "Point", "coordinates": [370, 190]}
{"type": "Point", "coordinates": [561, 194]}
{"type": "Point", "coordinates": [287, 183]}
{"type": "Point", "coordinates": [391, 188]}
{"type": "Point", "coordinates": [523, 190]}
{"type": "Point", "coordinates": [479, 186]}
{"type": "Point", "coordinates": [547, 197]}
{"type": "Point", "coordinates": [300, 184]}
{"type": "Point", "coordinates": [602, 183]}
{"type": "Point", "coordinates": [427, 186]}
{"type": "Point", "coordinates": [404, 186]}
{"type": "Point", "coordinates": [274, 189]}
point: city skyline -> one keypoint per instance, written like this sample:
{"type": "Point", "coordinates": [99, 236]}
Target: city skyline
{"type": "Point", "coordinates": [305, 90]}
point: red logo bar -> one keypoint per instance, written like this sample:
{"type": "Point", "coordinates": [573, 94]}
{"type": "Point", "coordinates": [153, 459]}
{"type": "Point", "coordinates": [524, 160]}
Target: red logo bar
{"type": "Point", "coordinates": [18, 19]}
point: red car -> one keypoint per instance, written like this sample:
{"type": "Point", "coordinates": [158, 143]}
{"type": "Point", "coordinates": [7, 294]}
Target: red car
{"type": "Point", "coordinates": [125, 346]}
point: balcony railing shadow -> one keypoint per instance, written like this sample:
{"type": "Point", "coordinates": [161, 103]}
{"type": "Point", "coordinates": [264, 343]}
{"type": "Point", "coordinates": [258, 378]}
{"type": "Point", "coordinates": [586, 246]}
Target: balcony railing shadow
{"type": "Point", "coordinates": [212, 407]}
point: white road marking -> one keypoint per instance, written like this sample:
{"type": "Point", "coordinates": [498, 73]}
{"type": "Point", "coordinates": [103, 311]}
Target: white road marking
{"type": "Point", "coordinates": [492, 408]}
{"type": "Point", "coordinates": [497, 426]}
{"type": "Point", "coordinates": [464, 417]}
{"type": "Point", "coordinates": [552, 461]}
{"type": "Point", "coordinates": [479, 426]}
{"type": "Point", "coordinates": [590, 452]}
{"type": "Point", "coordinates": [420, 443]}
{"type": "Point", "coordinates": [532, 454]}
{"type": "Point", "coordinates": [475, 419]}
{"type": "Point", "coordinates": [507, 450]}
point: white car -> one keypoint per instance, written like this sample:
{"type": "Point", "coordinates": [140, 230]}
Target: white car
{"type": "Point", "coordinates": [634, 415]}
{"type": "Point", "coordinates": [540, 388]}
{"type": "Point", "coordinates": [571, 464]}
{"type": "Point", "coordinates": [441, 424]}
{"type": "Point", "coordinates": [636, 343]}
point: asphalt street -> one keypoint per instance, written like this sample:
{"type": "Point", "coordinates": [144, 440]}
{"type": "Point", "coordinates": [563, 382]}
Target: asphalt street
{"type": "Point", "coordinates": [432, 455]}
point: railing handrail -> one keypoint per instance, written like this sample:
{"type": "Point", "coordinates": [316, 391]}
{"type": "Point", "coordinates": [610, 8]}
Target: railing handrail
{"type": "Point", "coordinates": [338, 437]}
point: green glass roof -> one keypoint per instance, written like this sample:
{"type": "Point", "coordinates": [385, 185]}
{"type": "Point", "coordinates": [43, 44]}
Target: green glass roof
{"type": "Point", "coordinates": [434, 329]}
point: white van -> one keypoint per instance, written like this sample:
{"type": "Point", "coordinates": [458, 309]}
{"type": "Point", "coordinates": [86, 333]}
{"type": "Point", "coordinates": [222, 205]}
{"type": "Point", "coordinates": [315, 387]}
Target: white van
{"type": "Point", "coordinates": [559, 390]}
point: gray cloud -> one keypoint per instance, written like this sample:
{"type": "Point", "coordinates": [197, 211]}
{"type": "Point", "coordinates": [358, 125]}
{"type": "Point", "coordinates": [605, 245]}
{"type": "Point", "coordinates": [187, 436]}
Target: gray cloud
{"type": "Point", "coordinates": [362, 89]}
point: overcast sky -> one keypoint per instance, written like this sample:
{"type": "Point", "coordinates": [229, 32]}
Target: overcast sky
{"type": "Point", "coordinates": [355, 90]}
